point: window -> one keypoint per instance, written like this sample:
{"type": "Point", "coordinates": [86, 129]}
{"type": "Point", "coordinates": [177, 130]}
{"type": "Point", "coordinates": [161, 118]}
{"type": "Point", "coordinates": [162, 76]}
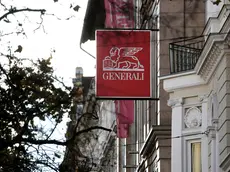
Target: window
{"type": "Point", "coordinates": [196, 157]}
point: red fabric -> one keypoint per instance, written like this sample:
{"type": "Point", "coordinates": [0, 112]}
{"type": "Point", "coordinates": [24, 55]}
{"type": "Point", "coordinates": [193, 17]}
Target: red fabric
{"type": "Point", "coordinates": [125, 111]}
{"type": "Point", "coordinates": [119, 14]}
{"type": "Point", "coordinates": [122, 130]}
{"type": "Point", "coordinates": [123, 64]}
{"type": "Point", "coordinates": [125, 116]}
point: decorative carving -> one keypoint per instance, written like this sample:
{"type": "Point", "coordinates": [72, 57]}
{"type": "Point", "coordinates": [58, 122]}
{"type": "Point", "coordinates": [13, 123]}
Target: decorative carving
{"type": "Point", "coordinates": [212, 60]}
{"type": "Point", "coordinates": [175, 102]}
{"type": "Point", "coordinates": [192, 118]}
{"type": "Point", "coordinates": [211, 132]}
{"type": "Point", "coordinates": [203, 98]}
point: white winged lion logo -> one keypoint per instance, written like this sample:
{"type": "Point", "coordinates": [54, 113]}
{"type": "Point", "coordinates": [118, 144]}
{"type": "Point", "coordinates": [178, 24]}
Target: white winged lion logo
{"type": "Point", "coordinates": [123, 59]}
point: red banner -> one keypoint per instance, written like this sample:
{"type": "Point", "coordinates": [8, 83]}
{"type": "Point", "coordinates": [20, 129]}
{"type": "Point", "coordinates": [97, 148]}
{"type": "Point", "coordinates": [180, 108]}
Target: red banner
{"type": "Point", "coordinates": [119, 13]}
{"type": "Point", "coordinates": [122, 130]}
{"type": "Point", "coordinates": [125, 111]}
{"type": "Point", "coordinates": [123, 64]}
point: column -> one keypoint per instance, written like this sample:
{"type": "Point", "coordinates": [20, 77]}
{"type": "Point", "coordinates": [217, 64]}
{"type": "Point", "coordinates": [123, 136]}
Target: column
{"type": "Point", "coordinates": [177, 122]}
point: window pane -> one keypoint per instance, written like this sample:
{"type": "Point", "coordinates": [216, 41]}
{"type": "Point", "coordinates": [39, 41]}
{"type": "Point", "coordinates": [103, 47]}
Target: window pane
{"type": "Point", "coordinates": [196, 157]}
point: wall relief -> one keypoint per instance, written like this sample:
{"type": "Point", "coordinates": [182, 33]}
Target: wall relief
{"type": "Point", "coordinates": [192, 117]}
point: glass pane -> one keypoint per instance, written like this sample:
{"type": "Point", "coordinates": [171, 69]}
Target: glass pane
{"type": "Point", "coordinates": [196, 157]}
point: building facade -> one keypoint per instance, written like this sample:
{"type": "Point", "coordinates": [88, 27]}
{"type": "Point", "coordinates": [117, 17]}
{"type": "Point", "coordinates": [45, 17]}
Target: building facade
{"type": "Point", "coordinates": [198, 88]}
{"type": "Point", "coordinates": [107, 145]}
{"type": "Point", "coordinates": [151, 133]}
{"type": "Point", "coordinates": [94, 150]}
{"type": "Point", "coordinates": [148, 146]}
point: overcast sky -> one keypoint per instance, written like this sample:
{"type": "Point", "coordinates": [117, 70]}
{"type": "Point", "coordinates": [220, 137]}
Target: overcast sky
{"type": "Point", "coordinates": [61, 35]}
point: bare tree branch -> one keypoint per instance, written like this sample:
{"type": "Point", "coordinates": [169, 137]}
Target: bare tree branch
{"type": "Point", "coordinates": [56, 142]}
{"type": "Point", "coordinates": [1, 35]}
{"type": "Point", "coordinates": [2, 5]}
{"type": "Point", "coordinates": [14, 10]}
{"type": "Point", "coordinates": [46, 164]}
{"type": "Point", "coordinates": [40, 24]}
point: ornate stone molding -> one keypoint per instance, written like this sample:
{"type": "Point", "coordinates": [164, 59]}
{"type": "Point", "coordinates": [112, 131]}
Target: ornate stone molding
{"type": "Point", "coordinates": [175, 102]}
{"type": "Point", "coordinates": [215, 45]}
{"type": "Point", "coordinates": [193, 118]}
{"type": "Point", "coordinates": [211, 132]}
{"type": "Point", "coordinates": [211, 61]}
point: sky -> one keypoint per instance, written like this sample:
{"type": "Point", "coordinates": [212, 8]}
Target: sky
{"type": "Point", "coordinates": [61, 35]}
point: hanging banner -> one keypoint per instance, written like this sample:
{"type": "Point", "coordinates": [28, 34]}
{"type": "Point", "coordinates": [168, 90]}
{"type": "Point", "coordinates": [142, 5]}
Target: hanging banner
{"type": "Point", "coordinates": [123, 67]}
{"type": "Point", "coordinates": [125, 111]}
{"type": "Point", "coordinates": [122, 130]}
{"type": "Point", "coordinates": [119, 13]}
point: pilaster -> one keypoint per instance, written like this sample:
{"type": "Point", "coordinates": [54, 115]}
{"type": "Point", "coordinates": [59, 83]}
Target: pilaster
{"type": "Point", "coordinates": [204, 106]}
{"type": "Point", "coordinates": [177, 146]}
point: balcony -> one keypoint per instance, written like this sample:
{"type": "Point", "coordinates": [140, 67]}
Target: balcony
{"type": "Point", "coordinates": [185, 54]}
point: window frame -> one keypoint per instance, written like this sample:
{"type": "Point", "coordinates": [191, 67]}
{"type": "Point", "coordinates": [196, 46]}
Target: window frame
{"type": "Point", "coordinates": [188, 153]}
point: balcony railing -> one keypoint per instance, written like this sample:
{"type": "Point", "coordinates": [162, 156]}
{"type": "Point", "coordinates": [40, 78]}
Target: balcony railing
{"type": "Point", "coordinates": [185, 54]}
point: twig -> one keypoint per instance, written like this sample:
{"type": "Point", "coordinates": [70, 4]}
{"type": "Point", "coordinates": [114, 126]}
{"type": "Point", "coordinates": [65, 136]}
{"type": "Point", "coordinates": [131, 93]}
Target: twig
{"type": "Point", "coordinates": [14, 10]}
{"type": "Point", "coordinates": [2, 5]}
{"type": "Point", "coordinates": [40, 24]}
{"type": "Point", "coordinates": [61, 143]}
{"type": "Point", "coordinates": [1, 35]}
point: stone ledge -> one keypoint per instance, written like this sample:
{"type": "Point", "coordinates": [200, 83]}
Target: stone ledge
{"type": "Point", "coordinates": [157, 132]}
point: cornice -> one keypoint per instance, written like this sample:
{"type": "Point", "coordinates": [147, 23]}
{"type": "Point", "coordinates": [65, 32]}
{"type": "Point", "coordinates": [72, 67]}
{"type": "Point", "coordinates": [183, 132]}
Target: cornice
{"type": "Point", "coordinates": [216, 44]}
{"type": "Point", "coordinates": [181, 82]}
{"type": "Point", "coordinates": [211, 61]}
{"type": "Point", "coordinates": [157, 131]}
{"type": "Point", "coordinates": [211, 56]}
